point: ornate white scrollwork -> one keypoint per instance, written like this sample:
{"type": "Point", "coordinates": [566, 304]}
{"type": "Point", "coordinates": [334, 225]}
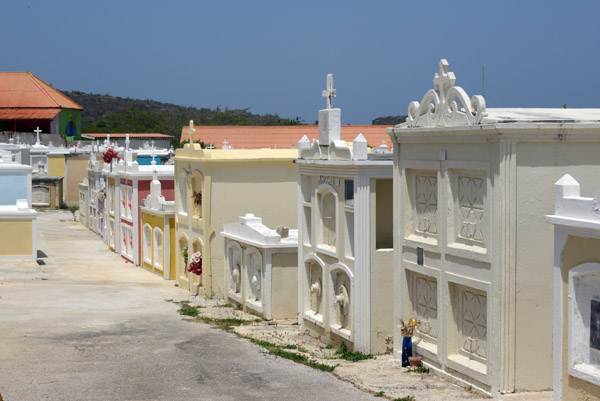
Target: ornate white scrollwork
{"type": "Point", "coordinates": [343, 300]}
{"type": "Point", "coordinates": [439, 107]}
{"type": "Point", "coordinates": [235, 275]}
{"type": "Point", "coordinates": [315, 288]}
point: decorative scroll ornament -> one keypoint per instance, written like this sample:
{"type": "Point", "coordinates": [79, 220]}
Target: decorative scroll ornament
{"type": "Point", "coordinates": [439, 107]}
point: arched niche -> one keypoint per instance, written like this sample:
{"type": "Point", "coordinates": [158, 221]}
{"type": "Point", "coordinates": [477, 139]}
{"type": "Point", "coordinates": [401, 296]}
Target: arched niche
{"type": "Point", "coordinates": [196, 195]}
{"type": "Point", "coordinates": [341, 293]}
{"type": "Point", "coordinates": [313, 293]}
{"type": "Point", "coordinates": [327, 205]}
{"type": "Point", "coordinates": [182, 193]}
{"type": "Point", "coordinates": [182, 244]}
{"type": "Point", "coordinates": [158, 250]}
{"type": "Point", "coordinates": [234, 270]}
{"type": "Point", "coordinates": [197, 246]}
{"type": "Point", "coordinates": [254, 276]}
{"type": "Point", "coordinates": [147, 244]}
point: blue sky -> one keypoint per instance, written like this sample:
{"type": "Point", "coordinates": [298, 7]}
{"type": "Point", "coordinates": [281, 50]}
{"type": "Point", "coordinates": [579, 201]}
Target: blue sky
{"type": "Point", "coordinates": [273, 56]}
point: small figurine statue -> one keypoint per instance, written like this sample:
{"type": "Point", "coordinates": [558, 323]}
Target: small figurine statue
{"type": "Point", "coordinates": [407, 332]}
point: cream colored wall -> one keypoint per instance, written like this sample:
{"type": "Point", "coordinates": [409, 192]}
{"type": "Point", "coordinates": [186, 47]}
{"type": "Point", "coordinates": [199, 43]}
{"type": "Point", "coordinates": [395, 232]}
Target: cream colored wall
{"type": "Point", "coordinates": [16, 237]}
{"type": "Point", "coordinates": [577, 250]}
{"type": "Point", "coordinates": [268, 190]}
{"type": "Point", "coordinates": [539, 166]}
{"type": "Point", "coordinates": [382, 268]}
{"type": "Point", "coordinates": [382, 301]}
{"type": "Point", "coordinates": [233, 183]}
{"type": "Point", "coordinates": [284, 285]}
{"type": "Point", "coordinates": [76, 172]}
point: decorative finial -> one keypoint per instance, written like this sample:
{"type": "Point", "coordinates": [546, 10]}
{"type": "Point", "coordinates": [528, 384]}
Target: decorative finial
{"type": "Point", "coordinates": [126, 141]}
{"type": "Point", "coordinates": [191, 131]}
{"type": "Point", "coordinates": [440, 106]}
{"type": "Point", "coordinates": [329, 93]}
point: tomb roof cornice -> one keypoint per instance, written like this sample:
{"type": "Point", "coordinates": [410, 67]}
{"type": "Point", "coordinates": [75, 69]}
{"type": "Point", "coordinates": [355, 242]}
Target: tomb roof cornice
{"type": "Point", "coordinates": [519, 132]}
{"type": "Point", "coordinates": [291, 243]}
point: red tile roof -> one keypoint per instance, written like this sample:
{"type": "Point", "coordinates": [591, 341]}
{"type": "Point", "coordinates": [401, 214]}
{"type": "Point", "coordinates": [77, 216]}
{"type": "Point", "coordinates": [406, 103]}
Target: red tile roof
{"type": "Point", "coordinates": [28, 114]}
{"type": "Point", "coordinates": [280, 137]}
{"type": "Point", "coordinates": [131, 136]}
{"type": "Point", "coordinates": [25, 90]}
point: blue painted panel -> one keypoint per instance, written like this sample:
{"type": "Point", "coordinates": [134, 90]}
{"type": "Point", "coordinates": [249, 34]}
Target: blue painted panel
{"type": "Point", "coordinates": [13, 186]}
{"type": "Point", "coordinates": [147, 160]}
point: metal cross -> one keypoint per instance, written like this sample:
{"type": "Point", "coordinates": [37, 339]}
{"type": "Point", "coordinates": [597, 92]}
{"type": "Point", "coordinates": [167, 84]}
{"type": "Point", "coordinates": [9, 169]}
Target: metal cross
{"type": "Point", "coordinates": [329, 93]}
{"type": "Point", "coordinates": [444, 80]}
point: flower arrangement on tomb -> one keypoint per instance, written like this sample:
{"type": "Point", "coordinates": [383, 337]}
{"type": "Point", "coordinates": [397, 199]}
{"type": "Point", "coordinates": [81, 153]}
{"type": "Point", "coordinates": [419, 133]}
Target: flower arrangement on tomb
{"type": "Point", "coordinates": [109, 155]}
{"type": "Point", "coordinates": [407, 330]}
{"type": "Point", "coordinates": [195, 265]}
{"type": "Point", "coordinates": [197, 197]}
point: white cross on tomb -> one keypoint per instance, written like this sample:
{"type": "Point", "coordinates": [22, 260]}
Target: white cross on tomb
{"type": "Point", "coordinates": [329, 93]}
{"type": "Point", "coordinates": [444, 80]}
{"type": "Point", "coordinates": [37, 131]}
{"type": "Point", "coordinates": [191, 131]}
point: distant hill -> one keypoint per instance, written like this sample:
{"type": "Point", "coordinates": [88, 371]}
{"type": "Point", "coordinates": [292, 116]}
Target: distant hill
{"type": "Point", "coordinates": [105, 113]}
{"type": "Point", "coordinates": [389, 120]}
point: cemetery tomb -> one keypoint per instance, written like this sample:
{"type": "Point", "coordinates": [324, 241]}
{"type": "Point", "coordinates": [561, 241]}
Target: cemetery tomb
{"type": "Point", "coordinates": [158, 232]}
{"type": "Point", "coordinates": [261, 268]}
{"type": "Point", "coordinates": [133, 185]}
{"type": "Point", "coordinates": [345, 237]}
{"type": "Point", "coordinates": [576, 340]}
{"type": "Point", "coordinates": [470, 188]}
{"type": "Point", "coordinates": [17, 218]}
{"type": "Point", "coordinates": [216, 186]}
{"type": "Point", "coordinates": [83, 202]}
{"type": "Point", "coordinates": [97, 188]}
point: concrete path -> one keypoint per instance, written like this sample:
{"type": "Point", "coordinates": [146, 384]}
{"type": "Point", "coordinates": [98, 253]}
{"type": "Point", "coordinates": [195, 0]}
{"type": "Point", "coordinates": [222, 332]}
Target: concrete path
{"type": "Point", "coordinates": [88, 326]}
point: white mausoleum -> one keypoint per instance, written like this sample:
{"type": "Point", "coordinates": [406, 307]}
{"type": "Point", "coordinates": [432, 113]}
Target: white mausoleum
{"type": "Point", "coordinates": [18, 221]}
{"type": "Point", "coordinates": [576, 222]}
{"type": "Point", "coordinates": [471, 187]}
{"type": "Point", "coordinates": [261, 268]}
{"type": "Point", "coordinates": [345, 237]}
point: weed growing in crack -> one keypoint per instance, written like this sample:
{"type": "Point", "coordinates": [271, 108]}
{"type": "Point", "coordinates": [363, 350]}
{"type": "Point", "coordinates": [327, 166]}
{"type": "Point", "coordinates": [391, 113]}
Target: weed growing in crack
{"type": "Point", "coordinates": [280, 351]}
{"type": "Point", "coordinates": [352, 356]}
{"type": "Point", "coordinates": [188, 310]}
{"type": "Point", "coordinates": [418, 369]}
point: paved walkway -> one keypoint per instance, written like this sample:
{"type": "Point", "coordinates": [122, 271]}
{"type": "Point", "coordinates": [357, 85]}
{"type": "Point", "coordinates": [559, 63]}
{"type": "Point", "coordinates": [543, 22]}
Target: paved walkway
{"type": "Point", "coordinates": [88, 326]}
